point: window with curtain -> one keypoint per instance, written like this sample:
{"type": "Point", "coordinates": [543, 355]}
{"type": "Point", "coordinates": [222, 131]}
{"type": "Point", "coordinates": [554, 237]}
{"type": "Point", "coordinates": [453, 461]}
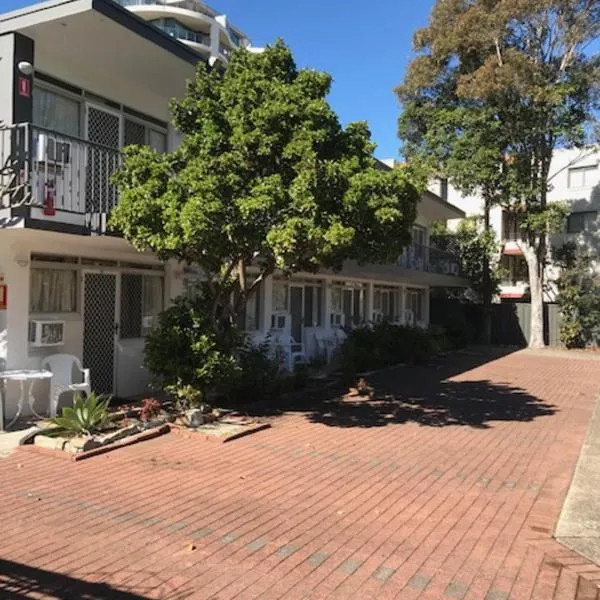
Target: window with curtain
{"type": "Point", "coordinates": [53, 291]}
{"type": "Point", "coordinates": [280, 296]}
{"type": "Point", "coordinates": [56, 112]}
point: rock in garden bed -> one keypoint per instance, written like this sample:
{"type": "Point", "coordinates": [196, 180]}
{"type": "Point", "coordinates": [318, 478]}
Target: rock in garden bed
{"type": "Point", "coordinates": [53, 439]}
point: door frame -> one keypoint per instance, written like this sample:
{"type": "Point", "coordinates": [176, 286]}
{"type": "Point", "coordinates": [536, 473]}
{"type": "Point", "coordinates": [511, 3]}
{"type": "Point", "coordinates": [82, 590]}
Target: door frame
{"type": "Point", "coordinates": [116, 273]}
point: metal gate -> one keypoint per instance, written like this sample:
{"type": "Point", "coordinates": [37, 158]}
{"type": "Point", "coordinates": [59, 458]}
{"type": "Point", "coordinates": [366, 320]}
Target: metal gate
{"type": "Point", "coordinates": [100, 329]}
{"type": "Point", "coordinates": [104, 131]}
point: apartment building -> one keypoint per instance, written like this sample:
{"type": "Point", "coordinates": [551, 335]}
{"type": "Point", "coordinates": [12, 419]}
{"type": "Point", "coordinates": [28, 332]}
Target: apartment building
{"type": "Point", "coordinates": [194, 23]}
{"type": "Point", "coordinates": [574, 179]}
{"type": "Point", "coordinates": [80, 80]}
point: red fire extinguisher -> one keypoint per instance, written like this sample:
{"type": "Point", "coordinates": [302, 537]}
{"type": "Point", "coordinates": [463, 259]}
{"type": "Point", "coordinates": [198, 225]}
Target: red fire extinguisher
{"type": "Point", "coordinates": [3, 294]}
{"type": "Point", "coordinates": [50, 199]}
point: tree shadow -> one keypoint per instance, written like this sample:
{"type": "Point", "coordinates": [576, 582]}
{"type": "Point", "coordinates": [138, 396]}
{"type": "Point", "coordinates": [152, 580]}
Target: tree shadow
{"type": "Point", "coordinates": [20, 582]}
{"type": "Point", "coordinates": [426, 396]}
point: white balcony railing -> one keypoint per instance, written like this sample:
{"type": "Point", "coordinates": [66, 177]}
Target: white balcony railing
{"type": "Point", "coordinates": [57, 173]}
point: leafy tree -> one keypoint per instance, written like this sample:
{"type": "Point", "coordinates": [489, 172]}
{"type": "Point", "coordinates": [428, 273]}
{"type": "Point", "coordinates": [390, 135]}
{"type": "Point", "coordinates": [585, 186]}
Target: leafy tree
{"type": "Point", "coordinates": [495, 87]}
{"type": "Point", "coordinates": [578, 297]}
{"type": "Point", "coordinates": [266, 178]}
{"type": "Point", "coordinates": [478, 250]}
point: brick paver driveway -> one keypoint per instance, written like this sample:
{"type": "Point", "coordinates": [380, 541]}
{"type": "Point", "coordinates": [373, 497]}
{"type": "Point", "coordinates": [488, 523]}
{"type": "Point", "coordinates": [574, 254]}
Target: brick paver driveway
{"type": "Point", "coordinates": [439, 491]}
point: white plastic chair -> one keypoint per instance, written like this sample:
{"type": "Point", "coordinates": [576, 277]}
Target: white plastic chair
{"type": "Point", "coordinates": [293, 351]}
{"type": "Point", "coordinates": [61, 366]}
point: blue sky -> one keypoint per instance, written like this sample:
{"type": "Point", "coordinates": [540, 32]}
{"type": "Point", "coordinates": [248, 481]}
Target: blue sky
{"type": "Point", "coordinates": [365, 47]}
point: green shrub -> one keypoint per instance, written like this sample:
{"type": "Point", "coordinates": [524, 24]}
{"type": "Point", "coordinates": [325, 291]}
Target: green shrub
{"type": "Point", "coordinates": [259, 376]}
{"type": "Point", "coordinates": [188, 355]}
{"type": "Point", "coordinates": [371, 347]}
{"type": "Point", "coordinates": [86, 416]}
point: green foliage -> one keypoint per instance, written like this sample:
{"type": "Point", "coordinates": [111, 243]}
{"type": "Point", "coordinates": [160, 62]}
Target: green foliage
{"type": "Point", "coordinates": [578, 297]}
{"type": "Point", "coordinates": [188, 354]}
{"type": "Point", "coordinates": [478, 251]}
{"type": "Point", "coordinates": [86, 416]}
{"type": "Point", "coordinates": [259, 377]}
{"type": "Point", "coordinates": [265, 175]}
{"type": "Point", "coordinates": [372, 347]}
{"type": "Point", "coordinates": [494, 88]}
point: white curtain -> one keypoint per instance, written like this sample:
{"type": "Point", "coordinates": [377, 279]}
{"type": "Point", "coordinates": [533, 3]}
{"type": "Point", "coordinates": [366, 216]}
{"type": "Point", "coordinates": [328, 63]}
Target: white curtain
{"type": "Point", "coordinates": [56, 112]}
{"type": "Point", "coordinates": [53, 291]}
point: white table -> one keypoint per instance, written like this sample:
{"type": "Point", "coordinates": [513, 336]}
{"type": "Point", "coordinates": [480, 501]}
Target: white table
{"type": "Point", "coordinates": [23, 376]}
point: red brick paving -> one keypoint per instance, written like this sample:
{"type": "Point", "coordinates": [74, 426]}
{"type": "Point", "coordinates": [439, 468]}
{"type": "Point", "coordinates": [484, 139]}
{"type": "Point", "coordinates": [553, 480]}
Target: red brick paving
{"type": "Point", "coordinates": [448, 487]}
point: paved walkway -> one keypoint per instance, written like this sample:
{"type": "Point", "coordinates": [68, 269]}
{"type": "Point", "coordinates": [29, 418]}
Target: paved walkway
{"type": "Point", "coordinates": [448, 487]}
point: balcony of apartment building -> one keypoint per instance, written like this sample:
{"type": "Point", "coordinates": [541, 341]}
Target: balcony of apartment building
{"type": "Point", "coordinates": [511, 234]}
{"type": "Point", "coordinates": [191, 22]}
{"type": "Point", "coordinates": [97, 79]}
{"type": "Point", "coordinates": [515, 279]}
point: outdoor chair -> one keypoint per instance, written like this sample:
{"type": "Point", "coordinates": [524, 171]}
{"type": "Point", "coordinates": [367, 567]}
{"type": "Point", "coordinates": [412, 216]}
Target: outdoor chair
{"type": "Point", "coordinates": [61, 366]}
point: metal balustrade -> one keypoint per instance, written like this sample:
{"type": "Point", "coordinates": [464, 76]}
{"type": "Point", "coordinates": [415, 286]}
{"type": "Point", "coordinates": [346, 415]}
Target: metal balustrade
{"type": "Point", "coordinates": [430, 260]}
{"type": "Point", "coordinates": [57, 173]}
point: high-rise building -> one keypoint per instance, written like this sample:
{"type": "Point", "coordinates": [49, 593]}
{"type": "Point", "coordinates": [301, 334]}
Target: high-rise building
{"type": "Point", "coordinates": [194, 23]}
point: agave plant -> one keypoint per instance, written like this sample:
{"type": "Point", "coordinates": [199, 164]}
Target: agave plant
{"type": "Point", "coordinates": [86, 416]}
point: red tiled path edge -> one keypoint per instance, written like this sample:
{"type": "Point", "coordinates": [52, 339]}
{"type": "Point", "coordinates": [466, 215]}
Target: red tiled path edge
{"type": "Point", "coordinates": [448, 488]}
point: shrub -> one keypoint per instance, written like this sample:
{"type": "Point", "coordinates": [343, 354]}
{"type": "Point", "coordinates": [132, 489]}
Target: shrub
{"type": "Point", "coordinates": [259, 375]}
{"type": "Point", "coordinates": [188, 355]}
{"type": "Point", "coordinates": [376, 346]}
{"type": "Point", "coordinates": [86, 416]}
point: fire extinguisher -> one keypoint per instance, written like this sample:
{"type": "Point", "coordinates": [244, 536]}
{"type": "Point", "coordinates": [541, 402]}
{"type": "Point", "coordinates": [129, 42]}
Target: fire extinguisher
{"type": "Point", "coordinates": [3, 293]}
{"type": "Point", "coordinates": [50, 199]}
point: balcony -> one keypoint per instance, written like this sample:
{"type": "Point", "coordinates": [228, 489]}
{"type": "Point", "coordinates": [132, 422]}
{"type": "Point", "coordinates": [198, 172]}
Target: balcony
{"type": "Point", "coordinates": [57, 177]}
{"type": "Point", "coordinates": [427, 259]}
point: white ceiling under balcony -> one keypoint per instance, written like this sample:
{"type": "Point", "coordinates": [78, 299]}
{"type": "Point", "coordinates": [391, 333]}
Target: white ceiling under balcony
{"type": "Point", "coordinates": [113, 54]}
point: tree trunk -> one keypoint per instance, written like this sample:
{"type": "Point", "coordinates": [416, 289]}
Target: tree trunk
{"type": "Point", "coordinates": [536, 288]}
{"type": "Point", "coordinates": [486, 334]}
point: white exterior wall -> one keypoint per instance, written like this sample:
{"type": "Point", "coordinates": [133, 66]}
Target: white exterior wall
{"type": "Point", "coordinates": [16, 248]}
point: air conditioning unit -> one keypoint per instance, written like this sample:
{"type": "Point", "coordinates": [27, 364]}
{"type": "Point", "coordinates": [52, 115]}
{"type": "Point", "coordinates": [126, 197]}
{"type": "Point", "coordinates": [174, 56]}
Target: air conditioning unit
{"type": "Point", "coordinates": [279, 321]}
{"type": "Point", "coordinates": [44, 334]}
{"type": "Point", "coordinates": [50, 150]}
{"type": "Point", "coordinates": [337, 319]}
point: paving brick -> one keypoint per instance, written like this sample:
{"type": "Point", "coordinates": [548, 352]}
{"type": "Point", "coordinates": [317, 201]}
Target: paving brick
{"type": "Point", "coordinates": [448, 488]}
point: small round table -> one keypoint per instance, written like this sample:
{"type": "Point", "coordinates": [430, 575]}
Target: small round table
{"type": "Point", "coordinates": [22, 376]}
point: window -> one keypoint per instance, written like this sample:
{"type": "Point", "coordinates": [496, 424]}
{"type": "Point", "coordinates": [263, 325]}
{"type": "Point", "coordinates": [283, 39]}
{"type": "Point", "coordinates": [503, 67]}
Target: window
{"type": "Point", "coordinates": [56, 112]}
{"type": "Point", "coordinates": [139, 134]}
{"type": "Point", "coordinates": [580, 177]}
{"type": "Point", "coordinates": [157, 140]}
{"type": "Point", "coordinates": [53, 291]}
{"type": "Point", "coordinates": [280, 296]}
{"type": "Point", "coordinates": [581, 221]}
{"type": "Point", "coordinates": [313, 295]}
{"type": "Point", "coordinates": [252, 319]}
{"type": "Point", "coordinates": [414, 303]}
{"type": "Point", "coordinates": [141, 302]}
{"type": "Point", "coordinates": [153, 301]}
{"type": "Point", "coordinates": [386, 302]}
{"type": "Point", "coordinates": [419, 235]}
{"type": "Point", "coordinates": [349, 299]}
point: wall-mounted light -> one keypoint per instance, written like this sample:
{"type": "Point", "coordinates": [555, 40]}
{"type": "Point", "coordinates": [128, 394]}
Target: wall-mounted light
{"type": "Point", "coordinates": [25, 67]}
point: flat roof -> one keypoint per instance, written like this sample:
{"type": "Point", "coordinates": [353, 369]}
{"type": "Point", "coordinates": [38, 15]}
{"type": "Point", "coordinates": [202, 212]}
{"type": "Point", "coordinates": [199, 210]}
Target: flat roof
{"type": "Point", "coordinates": [51, 10]}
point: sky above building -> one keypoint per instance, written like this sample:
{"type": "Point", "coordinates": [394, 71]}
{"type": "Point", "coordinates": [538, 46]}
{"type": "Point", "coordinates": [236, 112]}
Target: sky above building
{"type": "Point", "coordinates": [365, 47]}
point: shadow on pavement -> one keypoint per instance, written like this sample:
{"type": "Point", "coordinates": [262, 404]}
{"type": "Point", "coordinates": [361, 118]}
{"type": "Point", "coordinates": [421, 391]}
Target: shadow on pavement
{"type": "Point", "coordinates": [423, 394]}
{"type": "Point", "coordinates": [20, 582]}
